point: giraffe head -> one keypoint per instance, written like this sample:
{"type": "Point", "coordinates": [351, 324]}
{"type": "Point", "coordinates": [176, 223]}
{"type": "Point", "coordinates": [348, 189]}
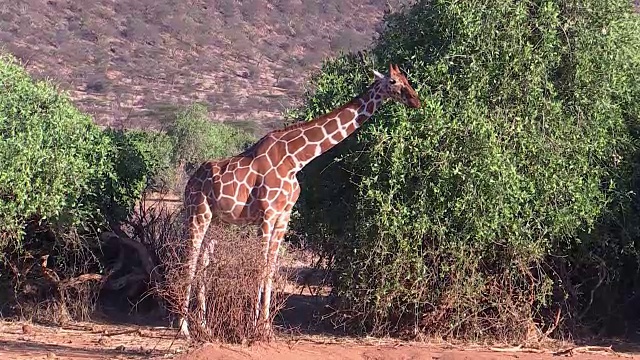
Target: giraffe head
{"type": "Point", "coordinates": [395, 86]}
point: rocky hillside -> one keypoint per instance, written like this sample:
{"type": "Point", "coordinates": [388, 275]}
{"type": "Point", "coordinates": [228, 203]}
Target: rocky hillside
{"type": "Point", "coordinates": [128, 61]}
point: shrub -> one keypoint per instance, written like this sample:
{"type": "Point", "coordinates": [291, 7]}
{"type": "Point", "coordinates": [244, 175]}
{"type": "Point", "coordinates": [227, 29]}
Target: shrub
{"type": "Point", "coordinates": [62, 182]}
{"type": "Point", "coordinates": [459, 218]}
{"type": "Point", "coordinates": [53, 166]}
{"type": "Point", "coordinates": [142, 161]}
{"type": "Point", "coordinates": [52, 156]}
{"type": "Point", "coordinates": [231, 281]}
{"type": "Point", "coordinates": [198, 139]}
{"type": "Point", "coordinates": [152, 161]}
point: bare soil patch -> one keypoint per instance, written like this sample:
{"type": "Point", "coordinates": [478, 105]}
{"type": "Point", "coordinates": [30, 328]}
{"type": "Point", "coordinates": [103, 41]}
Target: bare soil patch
{"type": "Point", "coordinates": [355, 351]}
{"type": "Point", "coordinates": [84, 341]}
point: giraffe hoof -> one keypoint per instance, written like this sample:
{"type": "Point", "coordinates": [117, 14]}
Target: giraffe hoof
{"type": "Point", "coordinates": [184, 330]}
{"type": "Point", "coordinates": [203, 325]}
{"type": "Point", "coordinates": [268, 335]}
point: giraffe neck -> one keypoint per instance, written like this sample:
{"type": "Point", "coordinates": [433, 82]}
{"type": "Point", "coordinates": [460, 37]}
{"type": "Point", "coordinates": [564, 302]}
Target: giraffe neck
{"type": "Point", "coordinates": [323, 133]}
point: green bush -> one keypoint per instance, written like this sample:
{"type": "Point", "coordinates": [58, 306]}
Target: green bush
{"type": "Point", "coordinates": [52, 157]}
{"type": "Point", "coordinates": [53, 165]}
{"type": "Point", "coordinates": [142, 161]}
{"type": "Point", "coordinates": [198, 139]}
{"type": "Point", "coordinates": [60, 169]}
{"type": "Point", "coordinates": [152, 161]}
{"type": "Point", "coordinates": [63, 181]}
{"type": "Point", "coordinates": [471, 216]}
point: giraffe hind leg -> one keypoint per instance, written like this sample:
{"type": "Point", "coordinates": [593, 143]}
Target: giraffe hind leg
{"type": "Point", "coordinates": [265, 233]}
{"type": "Point", "coordinates": [271, 266]}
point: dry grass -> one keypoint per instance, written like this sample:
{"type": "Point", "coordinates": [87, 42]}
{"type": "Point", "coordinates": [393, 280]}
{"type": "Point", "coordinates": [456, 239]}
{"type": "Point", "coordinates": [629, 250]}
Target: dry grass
{"type": "Point", "coordinates": [231, 280]}
{"type": "Point", "coordinates": [36, 288]}
{"type": "Point", "coordinates": [75, 304]}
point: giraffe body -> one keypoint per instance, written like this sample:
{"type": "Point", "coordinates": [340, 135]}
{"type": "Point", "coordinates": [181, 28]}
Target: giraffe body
{"type": "Point", "coordinates": [259, 186]}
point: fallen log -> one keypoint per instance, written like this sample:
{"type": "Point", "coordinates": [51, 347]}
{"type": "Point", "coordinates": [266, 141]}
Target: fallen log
{"type": "Point", "coordinates": [143, 254]}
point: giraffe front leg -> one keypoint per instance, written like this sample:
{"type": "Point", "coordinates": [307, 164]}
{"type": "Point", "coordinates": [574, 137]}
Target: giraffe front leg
{"type": "Point", "coordinates": [272, 265]}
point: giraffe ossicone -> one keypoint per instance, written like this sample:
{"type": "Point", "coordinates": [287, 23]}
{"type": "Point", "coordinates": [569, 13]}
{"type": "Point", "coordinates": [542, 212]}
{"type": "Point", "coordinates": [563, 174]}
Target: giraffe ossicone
{"type": "Point", "coordinates": [259, 186]}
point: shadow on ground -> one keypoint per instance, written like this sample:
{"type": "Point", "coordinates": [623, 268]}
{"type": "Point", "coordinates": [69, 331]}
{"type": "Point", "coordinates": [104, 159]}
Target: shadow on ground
{"type": "Point", "coordinates": [306, 308]}
{"type": "Point", "coordinates": [627, 345]}
{"type": "Point", "coordinates": [146, 312]}
{"type": "Point", "coordinates": [303, 314]}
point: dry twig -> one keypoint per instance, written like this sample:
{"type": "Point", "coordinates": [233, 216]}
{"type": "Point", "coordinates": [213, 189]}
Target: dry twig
{"type": "Point", "coordinates": [123, 332]}
{"type": "Point", "coordinates": [518, 348]}
{"type": "Point", "coordinates": [600, 350]}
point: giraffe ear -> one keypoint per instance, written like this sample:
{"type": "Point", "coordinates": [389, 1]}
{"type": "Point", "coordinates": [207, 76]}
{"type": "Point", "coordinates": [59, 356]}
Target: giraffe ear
{"type": "Point", "coordinates": [377, 75]}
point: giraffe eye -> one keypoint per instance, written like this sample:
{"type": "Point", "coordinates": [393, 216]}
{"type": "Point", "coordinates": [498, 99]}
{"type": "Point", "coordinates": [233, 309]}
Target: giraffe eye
{"type": "Point", "coordinates": [392, 81]}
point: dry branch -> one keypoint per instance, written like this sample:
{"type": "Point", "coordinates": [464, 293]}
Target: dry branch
{"type": "Point", "coordinates": [518, 348]}
{"type": "Point", "coordinates": [555, 323]}
{"type": "Point", "coordinates": [600, 350]}
{"type": "Point", "coordinates": [73, 282]}
{"type": "Point", "coordinates": [122, 332]}
{"type": "Point", "coordinates": [53, 277]}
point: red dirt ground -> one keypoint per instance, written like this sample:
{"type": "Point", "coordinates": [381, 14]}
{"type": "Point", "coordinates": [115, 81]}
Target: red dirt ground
{"type": "Point", "coordinates": [346, 351]}
{"type": "Point", "coordinates": [84, 341]}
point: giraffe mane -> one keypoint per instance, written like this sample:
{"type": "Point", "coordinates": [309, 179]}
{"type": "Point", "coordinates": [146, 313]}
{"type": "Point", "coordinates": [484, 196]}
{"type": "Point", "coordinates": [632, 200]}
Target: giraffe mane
{"type": "Point", "coordinates": [302, 123]}
{"type": "Point", "coordinates": [250, 151]}
{"type": "Point", "coordinates": [293, 126]}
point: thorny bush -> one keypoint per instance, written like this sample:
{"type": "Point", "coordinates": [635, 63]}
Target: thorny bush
{"type": "Point", "coordinates": [505, 207]}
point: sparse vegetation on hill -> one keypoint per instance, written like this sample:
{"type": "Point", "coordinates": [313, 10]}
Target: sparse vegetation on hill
{"type": "Point", "coordinates": [53, 157]}
{"type": "Point", "coordinates": [247, 60]}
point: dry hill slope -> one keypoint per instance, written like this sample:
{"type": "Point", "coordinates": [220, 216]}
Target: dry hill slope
{"type": "Point", "coordinates": [130, 59]}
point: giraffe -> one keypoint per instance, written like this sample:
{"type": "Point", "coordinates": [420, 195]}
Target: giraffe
{"type": "Point", "coordinates": [259, 186]}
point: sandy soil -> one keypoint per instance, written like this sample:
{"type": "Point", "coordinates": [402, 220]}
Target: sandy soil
{"type": "Point", "coordinates": [346, 351]}
{"type": "Point", "coordinates": [84, 341]}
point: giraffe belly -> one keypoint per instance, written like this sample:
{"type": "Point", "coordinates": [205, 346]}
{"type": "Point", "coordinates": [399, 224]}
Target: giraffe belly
{"type": "Point", "coordinates": [238, 213]}
{"type": "Point", "coordinates": [233, 218]}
